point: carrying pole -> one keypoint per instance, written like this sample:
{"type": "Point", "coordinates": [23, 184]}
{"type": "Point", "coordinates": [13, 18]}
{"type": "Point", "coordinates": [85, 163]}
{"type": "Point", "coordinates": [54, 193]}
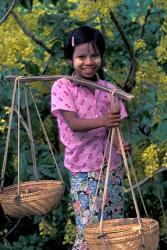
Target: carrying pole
{"type": "Point", "coordinates": [118, 92]}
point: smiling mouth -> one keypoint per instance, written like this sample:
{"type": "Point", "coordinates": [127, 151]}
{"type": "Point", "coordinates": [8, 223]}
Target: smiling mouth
{"type": "Point", "coordinates": [88, 70]}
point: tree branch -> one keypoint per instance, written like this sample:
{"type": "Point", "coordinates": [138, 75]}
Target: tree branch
{"type": "Point", "coordinates": [141, 36]}
{"type": "Point", "coordinates": [3, 19]}
{"type": "Point", "coordinates": [30, 34]}
{"type": "Point", "coordinates": [122, 34]}
{"type": "Point", "coordinates": [145, 180]}
{"type": "Point", "coordinates": [145, 20]}
{"type": "Point", "coordinates": [133, 66]}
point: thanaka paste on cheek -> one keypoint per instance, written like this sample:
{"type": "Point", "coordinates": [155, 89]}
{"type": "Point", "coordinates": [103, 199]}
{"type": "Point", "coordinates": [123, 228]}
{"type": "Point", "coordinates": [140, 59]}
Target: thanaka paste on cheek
{"type": "Point", "coordinates": [77, 63]}
{"type": "Point", "coordinates": [98, 61]}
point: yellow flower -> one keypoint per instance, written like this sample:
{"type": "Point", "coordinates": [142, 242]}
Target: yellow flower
{"type": "Point", "coordinates": [150, 159]}
{"type": "Point", "coordinates": [140, 44]}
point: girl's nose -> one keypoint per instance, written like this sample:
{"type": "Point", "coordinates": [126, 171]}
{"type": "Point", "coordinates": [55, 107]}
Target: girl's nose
{"type": "Point", "coordinates": [88, 60]}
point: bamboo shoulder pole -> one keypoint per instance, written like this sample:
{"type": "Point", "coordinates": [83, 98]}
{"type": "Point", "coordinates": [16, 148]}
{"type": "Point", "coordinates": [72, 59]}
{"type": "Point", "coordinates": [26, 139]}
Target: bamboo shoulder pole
{"type": "Point", "coordinates": [119, 92]}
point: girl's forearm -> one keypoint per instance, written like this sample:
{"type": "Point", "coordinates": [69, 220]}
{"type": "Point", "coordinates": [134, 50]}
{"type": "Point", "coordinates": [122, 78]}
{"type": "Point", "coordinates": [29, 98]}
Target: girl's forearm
{"type": "Point", "coordinates": [126, 145]}
{"type": "Point", "coordinates": [77, 124]}
{"type": "Point", "coordinates": [116, 139]}
{"type": "Point", "coordinates": [81, 125]}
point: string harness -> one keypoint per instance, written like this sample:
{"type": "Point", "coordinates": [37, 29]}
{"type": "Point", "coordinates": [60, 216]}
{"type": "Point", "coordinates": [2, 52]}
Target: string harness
{"type": "Point", "coordinates": [109, 144]}
{"type": "Point", "coordinates": [29, 132]}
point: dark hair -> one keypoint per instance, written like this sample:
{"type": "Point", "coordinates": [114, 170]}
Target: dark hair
{"type": "Point", "coordinates": [83, 34]}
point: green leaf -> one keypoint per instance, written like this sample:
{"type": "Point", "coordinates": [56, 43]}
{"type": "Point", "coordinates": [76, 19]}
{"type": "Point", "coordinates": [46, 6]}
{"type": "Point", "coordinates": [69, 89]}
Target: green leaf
{"type": "Point", "coordinates": [30, 67]}
{"type": "Point", "coordinates": [27, 4]}
{"type": "Point", "coordinates": [47, 170]}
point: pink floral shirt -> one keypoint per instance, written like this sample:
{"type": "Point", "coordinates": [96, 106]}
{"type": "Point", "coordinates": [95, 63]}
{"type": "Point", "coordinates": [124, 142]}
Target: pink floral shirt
{"type": "Point", "coordinates": [83, 150]}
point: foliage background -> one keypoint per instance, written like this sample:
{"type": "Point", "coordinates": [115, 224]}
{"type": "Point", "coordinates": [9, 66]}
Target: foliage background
{"type": "Point", "coordinates": [31, 43]}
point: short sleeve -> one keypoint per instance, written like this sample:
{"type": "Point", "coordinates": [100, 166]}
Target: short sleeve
{"type": "Point", "coordinates": [61, 97]}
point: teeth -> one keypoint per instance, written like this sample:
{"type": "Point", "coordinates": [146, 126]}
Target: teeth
{"type": "Point", "coordinates": [88, 70]}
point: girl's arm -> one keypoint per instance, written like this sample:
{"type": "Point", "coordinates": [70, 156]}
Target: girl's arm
{"type": "Point", "coordinates": [110, 119]}
{"type": "Point", "coordinates": [126, 145]}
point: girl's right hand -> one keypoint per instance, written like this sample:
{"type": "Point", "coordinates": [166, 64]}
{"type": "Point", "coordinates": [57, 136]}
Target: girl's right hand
{"type": "Point", "coordinates": [112, 119]}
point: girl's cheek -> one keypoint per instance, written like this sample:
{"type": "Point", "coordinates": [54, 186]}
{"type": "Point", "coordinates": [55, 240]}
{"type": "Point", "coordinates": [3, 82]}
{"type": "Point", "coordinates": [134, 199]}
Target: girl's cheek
{"type": "Point", "coordinates": [77, 63]}
{"type": "Point", "coordinates": [98, 61]}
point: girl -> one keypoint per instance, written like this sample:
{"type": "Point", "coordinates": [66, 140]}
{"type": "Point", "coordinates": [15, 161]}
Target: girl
{"type": "Point", "coordinates": [84, 117]}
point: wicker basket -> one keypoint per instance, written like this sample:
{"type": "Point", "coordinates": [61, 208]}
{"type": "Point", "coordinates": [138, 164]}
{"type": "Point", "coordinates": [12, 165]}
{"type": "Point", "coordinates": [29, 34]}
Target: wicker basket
{"type": "Point", "coordinates": [36, 198]}
{"type": "Point", "coordinates": [123, 234]}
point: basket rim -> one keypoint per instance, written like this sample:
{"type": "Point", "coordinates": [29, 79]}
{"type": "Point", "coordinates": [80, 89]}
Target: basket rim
{"type": "Point", "coordinates": [39, 193]}
{"type": "Point", "coordinates": [130, 219]}
{"type": "Point", "coordinates": [32, 182]}
{"type": "Point", "coordinates": [93, 231]}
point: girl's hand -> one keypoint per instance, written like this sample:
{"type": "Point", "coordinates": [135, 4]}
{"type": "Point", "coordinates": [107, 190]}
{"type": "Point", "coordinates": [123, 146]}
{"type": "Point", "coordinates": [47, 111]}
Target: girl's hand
{"type": "Point", "coordinates": [127, 148]}
{"type": "Point", "coordinates": [112, 119]}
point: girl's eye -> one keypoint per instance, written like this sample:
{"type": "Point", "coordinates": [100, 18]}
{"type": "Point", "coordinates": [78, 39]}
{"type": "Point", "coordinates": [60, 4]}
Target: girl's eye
{"type": "Point", "coordinates": [95, 56]}
{"type": "Point", "coordinates": [81, 57]}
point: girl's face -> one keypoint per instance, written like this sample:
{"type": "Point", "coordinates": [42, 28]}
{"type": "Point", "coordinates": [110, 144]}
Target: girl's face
{"type": "Point", "coordinates": [86, 60]}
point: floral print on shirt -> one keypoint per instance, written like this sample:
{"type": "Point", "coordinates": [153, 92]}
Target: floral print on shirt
{"type": "Point", "coordinates": [83, 150]}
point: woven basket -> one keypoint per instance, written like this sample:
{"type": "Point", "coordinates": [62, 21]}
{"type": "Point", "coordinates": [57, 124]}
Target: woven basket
{"type": "Point", "coordinates": [36, 198]}
{"type": "Point", "coordinates": [123, 234]}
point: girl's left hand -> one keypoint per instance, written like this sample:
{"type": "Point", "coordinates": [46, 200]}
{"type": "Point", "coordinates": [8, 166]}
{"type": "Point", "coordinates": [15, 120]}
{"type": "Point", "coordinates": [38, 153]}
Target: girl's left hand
{"type": "Point", "coordinates": [127, 148]}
